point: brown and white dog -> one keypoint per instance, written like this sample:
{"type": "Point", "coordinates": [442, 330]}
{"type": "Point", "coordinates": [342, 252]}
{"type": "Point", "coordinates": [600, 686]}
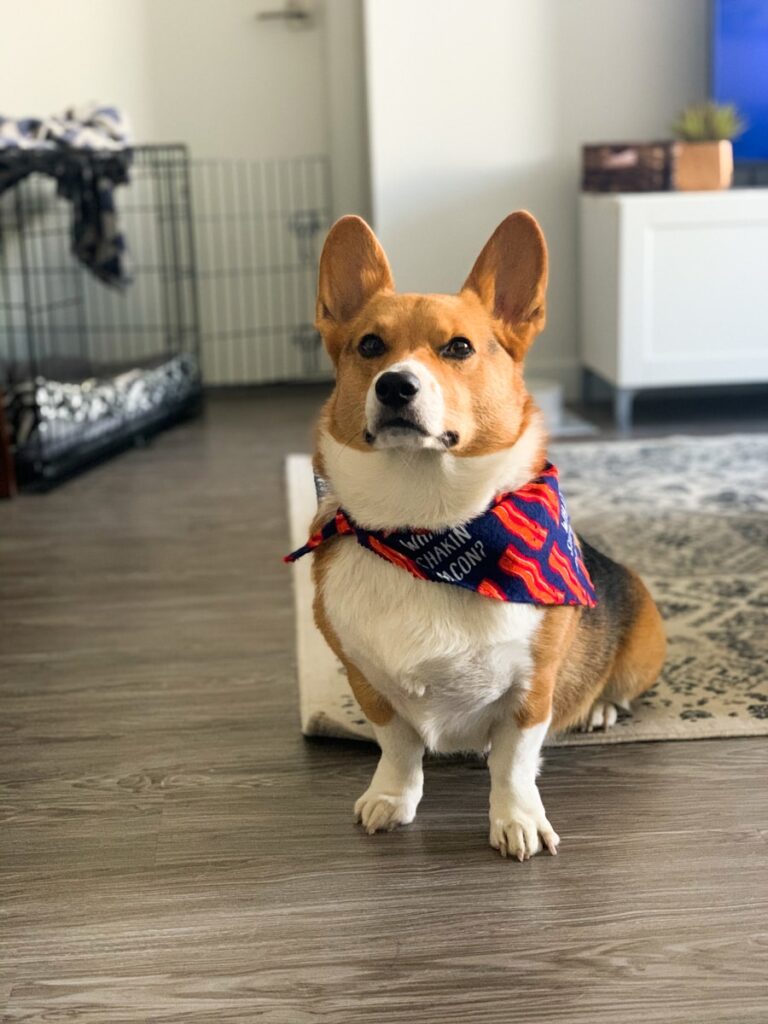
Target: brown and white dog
{"type": "Point", "coordinates": [435, 666]}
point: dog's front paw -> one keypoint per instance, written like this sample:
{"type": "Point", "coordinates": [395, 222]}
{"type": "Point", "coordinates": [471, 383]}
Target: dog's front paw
{"type": "Point", "coordinates": [518, 833]}
{"type": "Point", "coordinates": [378, 811]}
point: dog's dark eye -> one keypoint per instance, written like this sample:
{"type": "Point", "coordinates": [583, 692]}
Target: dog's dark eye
{"type": "Point", "coordinates": [371, 346]}
{"type": "Point", "coordinates": [457, 348]}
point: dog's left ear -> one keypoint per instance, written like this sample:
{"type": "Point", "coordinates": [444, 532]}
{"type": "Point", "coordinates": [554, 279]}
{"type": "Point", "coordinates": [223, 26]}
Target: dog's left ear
{"type": "Point", "coordinates": [510, 278]}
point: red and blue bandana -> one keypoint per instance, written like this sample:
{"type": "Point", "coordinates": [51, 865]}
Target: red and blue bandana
{"type": "Point", "coordinates": [521, 550]}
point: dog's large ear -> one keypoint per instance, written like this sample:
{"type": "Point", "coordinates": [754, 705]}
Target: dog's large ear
{"type": "Point", "coordinates": [353, 268]}
{"type": "Point", "coordinates": [510, 277]}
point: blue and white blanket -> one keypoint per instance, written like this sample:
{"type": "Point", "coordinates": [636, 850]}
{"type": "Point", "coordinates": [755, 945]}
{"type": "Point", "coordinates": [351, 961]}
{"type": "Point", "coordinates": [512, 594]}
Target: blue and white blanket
{"type": "Point", "coordinates": [86, 150]}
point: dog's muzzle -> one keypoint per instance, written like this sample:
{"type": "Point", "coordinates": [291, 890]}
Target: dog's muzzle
{"type": "Point", "coordinates": [405, 409]}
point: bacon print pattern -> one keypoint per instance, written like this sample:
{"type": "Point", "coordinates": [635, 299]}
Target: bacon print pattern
{"type": "Point", "coordinates": [521, 549]}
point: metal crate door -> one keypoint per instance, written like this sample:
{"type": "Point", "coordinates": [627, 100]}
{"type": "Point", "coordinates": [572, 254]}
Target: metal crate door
{"type": "Point", "coordinates": [258, 231]}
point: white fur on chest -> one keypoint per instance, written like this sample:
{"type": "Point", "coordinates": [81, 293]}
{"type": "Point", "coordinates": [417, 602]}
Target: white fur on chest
{"type": "Point", "coordinates": [447, 659]}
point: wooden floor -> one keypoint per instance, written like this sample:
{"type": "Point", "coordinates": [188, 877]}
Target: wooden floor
{"type": "Point", "coordinates": [172, 850]}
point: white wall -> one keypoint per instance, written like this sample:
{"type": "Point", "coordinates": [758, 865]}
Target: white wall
{"type": "Point", "coordinates": [475, 107]}
{"type": "Point", "coordinates": [479, 107]}
{"type": "Point", "coordinates": [55, 53]}
{"type": "Point", "coordinates": [347, 112]}
{"type": "Point", "coordinates": [230, 85]}
{"type": "Point", "coordinates": [204, 72]}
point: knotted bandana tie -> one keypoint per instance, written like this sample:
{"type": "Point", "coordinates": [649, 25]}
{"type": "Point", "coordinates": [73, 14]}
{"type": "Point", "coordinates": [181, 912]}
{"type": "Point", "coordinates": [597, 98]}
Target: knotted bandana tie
{"type": "Point", "coordinates": [521, 549]}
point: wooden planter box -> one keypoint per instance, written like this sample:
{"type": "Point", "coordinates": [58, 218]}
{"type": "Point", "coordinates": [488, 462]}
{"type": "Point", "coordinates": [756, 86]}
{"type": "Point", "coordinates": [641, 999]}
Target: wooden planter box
{"type": "Point", "coordinates": [703, 166]}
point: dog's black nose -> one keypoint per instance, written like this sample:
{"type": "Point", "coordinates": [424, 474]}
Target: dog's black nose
{"type": "Point", "coordinates": [397, 388]}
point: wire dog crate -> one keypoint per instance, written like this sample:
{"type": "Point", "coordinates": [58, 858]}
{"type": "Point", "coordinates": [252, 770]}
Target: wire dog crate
{"type": "Point", "coordinates": [259, 225]}
{"type": "Point", "coordinates": [86, 368]}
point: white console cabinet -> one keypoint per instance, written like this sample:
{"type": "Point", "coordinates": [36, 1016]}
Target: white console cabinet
{"type": "Point", "coordinates": [674, 290]}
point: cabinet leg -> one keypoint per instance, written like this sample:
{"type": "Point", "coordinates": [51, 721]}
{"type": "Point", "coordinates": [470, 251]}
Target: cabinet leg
{"type": "Point", "coordinates": [586, 385]}
{"type": "Point", "coordinates": [7, 471]}
{"type": "Point", "coordinates": [623, 399]}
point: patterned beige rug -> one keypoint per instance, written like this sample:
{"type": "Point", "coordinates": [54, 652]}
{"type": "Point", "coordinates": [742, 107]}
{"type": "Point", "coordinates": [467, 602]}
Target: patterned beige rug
{"type": "Point", "coordinates": [691, 515]}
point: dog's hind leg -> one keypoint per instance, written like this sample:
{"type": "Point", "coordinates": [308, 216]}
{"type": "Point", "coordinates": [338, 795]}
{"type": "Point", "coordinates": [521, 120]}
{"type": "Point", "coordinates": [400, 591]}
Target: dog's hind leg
{"type": "Point", "coordinates": [637, 662]}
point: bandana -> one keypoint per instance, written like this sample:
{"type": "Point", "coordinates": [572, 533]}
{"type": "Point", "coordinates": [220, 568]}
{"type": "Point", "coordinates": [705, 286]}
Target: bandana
{"type": "Point", "coordinates": [521, 549]}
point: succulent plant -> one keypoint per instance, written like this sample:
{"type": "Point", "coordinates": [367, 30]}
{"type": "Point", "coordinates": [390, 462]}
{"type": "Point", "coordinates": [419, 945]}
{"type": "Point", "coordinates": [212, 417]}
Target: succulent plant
{"type": "Point", "coordinates": [709, 122]}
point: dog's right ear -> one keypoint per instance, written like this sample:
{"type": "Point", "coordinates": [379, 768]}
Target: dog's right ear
{"type": "Point", "coordinates": [353, 268]}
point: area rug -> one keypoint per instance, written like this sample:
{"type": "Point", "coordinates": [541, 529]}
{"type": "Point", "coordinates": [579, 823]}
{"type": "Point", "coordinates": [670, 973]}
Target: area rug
{"type": "Point", "coordinates": [691, 515]}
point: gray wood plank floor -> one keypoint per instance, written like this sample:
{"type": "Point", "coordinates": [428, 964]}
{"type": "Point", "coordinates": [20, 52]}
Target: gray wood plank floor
{"type": "Point", "coordinates": [173, 851]}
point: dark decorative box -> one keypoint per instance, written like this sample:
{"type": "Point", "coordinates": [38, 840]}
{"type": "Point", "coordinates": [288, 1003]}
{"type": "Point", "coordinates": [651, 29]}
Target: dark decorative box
{"type": "Point", "coordinates": [628, 167]}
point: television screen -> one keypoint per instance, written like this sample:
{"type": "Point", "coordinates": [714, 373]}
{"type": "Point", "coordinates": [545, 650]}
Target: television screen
{"type": "Point", "coordinates": [740, 69]}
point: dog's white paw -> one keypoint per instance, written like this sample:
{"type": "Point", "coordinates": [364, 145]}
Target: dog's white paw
{"type": "Point", "coordinates": [378, 811]}
{"type": "Point", "coordinates": [520, 834]}
{"type": "Point", "coordinates": [603, 714]}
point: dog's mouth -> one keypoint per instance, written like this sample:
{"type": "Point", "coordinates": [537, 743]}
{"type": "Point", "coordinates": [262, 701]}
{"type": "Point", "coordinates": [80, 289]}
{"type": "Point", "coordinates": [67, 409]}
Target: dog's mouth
{"type": "Point", "coordinates": [400, 426]}
{"type": "Point", "coordinates": [401, 423]}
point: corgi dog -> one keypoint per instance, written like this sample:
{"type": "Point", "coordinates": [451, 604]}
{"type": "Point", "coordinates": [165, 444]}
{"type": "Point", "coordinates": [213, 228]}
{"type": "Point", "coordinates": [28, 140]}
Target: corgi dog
{"type": "Point", "coordinates": [430, 437]}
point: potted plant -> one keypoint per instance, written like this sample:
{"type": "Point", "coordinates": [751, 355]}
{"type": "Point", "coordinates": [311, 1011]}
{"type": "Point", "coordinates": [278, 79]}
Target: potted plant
{"type": "Point", "coordinates": [704, 154]}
